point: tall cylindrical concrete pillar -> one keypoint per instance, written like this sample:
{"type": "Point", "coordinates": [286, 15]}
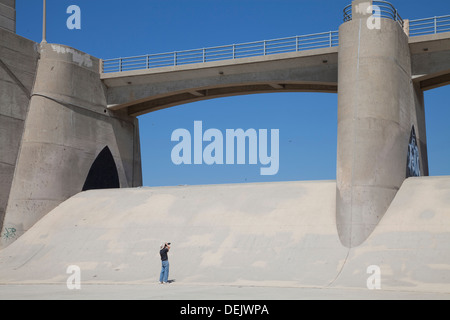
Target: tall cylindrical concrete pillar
{"type": "Point", "coordinates": [376, 112]}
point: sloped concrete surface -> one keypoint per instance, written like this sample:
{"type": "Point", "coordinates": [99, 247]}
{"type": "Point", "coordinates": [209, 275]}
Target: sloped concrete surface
{"type": "Point", "coordinates": [411, 243]}
{"type": "Point", "coordinates": [261, 235]}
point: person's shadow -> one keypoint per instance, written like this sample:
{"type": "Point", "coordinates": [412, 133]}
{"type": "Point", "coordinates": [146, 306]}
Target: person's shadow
{"type": "Point", "coordinates": [171, 281]}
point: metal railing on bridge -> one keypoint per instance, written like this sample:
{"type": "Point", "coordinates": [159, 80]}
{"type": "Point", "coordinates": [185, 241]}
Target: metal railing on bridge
{"type": "Point", "coordinates": [227, 52]}
{"type": "Point", "coordinates": [328, 39]}
{"type": "Point", "coordinates": [381, 9]}
{"type": "Point", "coordinates": [429, 26]}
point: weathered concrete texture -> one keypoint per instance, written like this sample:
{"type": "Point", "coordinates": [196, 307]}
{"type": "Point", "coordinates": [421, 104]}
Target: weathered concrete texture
{"type": "Point", "coordinates": [410, 244]}
{"type": "Point", "coordinates": [376, 111]}
{"type": "Point", "coordinates": [8, 15]}
{"type": "Point", "coordinates": [18, 63]}
{"type": "Point", "coordinates": [264, 234]}
{"type": "Point", "coordinates": [221, 233]}
{"type": "Point", "coordinates": [66, 128]}
{"type": "Point", "coordinates": [143, 91]}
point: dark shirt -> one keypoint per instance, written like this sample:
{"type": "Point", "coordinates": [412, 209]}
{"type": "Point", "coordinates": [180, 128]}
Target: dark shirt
{"type": "Point", "coordinates": [163, 254]}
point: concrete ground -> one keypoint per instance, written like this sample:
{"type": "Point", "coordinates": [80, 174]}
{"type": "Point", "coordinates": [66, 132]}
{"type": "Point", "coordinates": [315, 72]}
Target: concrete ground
{"type": "Point", "coordinates": [190, 292]}
{"type": "Point", "coordinates": [263, 241]}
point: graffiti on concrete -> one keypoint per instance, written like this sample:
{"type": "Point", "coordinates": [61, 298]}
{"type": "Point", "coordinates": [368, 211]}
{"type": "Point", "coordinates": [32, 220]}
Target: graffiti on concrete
{"type": "Point", "coordinates": [413, 161]}
{"type": "Point", "coordinates": [9, 233]}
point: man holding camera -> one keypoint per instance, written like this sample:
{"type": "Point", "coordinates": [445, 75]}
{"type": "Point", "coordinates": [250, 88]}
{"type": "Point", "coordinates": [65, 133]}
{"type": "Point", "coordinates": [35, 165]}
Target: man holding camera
{"type": "Point", "coordinates": [164, 249]}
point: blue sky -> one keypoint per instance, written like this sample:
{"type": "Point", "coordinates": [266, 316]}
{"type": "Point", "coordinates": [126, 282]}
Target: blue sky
{"type": "Point", "coordinates": [307, 121]}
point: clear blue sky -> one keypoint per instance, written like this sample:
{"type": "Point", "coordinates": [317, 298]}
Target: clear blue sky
{"type": "Point", "coordinates": [307, 121]}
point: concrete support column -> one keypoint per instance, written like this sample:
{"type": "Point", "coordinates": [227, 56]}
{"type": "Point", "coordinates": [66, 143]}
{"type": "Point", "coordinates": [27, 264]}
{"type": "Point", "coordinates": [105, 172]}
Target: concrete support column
{"type": "Point", "coordinates": [66, 129]}
{"type": "Point", "coordinates": [18, 63]}
{"type": "Point", "coordinates": [8, 15]}
{"type": "Point", "coordinates": [376, 112]}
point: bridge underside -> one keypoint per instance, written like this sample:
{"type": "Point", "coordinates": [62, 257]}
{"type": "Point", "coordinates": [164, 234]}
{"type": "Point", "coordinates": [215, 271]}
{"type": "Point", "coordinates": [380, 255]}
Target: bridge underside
{"type": "Point", "coordinates": [430, 60]}
{"type": "Point", "coordinates": [155, 103]}
{"type": "Point", "coordinates": [144, 91]}
{"type": "Point", "coordinates": [382, 76]}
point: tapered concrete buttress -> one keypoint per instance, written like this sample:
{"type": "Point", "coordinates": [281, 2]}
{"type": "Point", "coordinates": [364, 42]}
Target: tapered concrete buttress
{"type": "Point", "coordinates": [377, 108]}
{"type": "Point", "coordinates": [70, 139]}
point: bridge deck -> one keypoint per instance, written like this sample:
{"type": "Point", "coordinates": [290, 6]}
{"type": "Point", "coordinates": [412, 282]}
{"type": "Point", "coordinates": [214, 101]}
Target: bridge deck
{"type": "Point", "coordinates": [145, 90]}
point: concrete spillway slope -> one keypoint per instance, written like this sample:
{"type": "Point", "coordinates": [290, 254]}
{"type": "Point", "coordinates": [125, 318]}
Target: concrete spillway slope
{"type": "Point", "coordinates": [281, 234]}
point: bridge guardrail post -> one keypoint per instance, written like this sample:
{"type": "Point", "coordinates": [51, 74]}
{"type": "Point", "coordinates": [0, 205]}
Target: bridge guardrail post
{"type": "Point", "coordinates": [406, 26]}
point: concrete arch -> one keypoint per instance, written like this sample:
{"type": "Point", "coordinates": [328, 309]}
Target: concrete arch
{"type": "Point", "coordinates": [382, 76]}
{"type": "Point", "coordinates": [144, 91]}
{"type": "Point", "coordinates": [429, 60]}
{"type": "Point", "coordinates": [103, 172]}
{"type": "Point", "coordinates": [154, 103]}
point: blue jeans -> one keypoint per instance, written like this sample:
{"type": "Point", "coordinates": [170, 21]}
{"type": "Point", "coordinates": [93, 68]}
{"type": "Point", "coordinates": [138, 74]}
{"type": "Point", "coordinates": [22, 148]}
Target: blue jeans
{"type": "Point", "coordinates": [164, 271]}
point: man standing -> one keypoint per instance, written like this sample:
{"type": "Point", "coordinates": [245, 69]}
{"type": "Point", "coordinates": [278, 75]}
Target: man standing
{"type": "Point", "coordinates": [163, 278]}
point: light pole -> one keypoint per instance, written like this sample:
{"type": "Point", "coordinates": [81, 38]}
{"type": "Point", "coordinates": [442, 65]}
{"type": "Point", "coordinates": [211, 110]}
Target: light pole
{"type": "Point", "coordinates": [44, 23]}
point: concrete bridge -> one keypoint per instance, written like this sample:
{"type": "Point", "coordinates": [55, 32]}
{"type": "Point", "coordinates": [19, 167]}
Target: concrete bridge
{"type": "Point", "coordinates": [379, 75]}
{"type": "Point", "coordinates": [81, 123]}
{"type": "Point", "coordinates": [146, 89]}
